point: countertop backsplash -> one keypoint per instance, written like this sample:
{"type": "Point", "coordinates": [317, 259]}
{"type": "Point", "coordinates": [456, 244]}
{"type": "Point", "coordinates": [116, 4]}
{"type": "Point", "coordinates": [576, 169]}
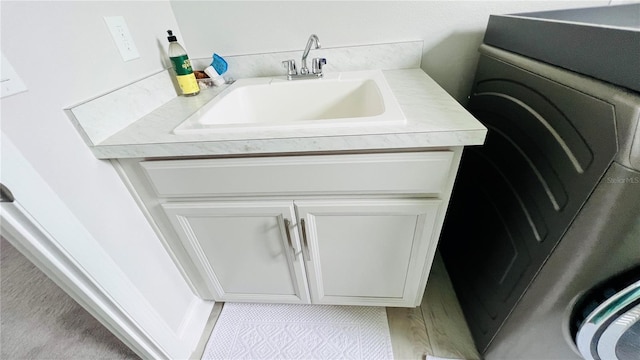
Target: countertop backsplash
{"type": "Point", "coordinates": [401, 55]}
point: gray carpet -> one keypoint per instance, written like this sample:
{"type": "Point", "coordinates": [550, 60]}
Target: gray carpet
{"type": "Point", "coordinates": [40, 321]}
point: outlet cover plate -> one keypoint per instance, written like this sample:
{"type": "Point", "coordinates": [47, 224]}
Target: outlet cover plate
{"type": "Point", "coordinates": [122, 37]}
{"type": "Point", "coordinates": [10, 82]}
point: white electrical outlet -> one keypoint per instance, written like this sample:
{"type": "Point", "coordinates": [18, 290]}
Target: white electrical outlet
{"type": "Point", "coordinates": [10, 82]}
{"type": "Point", "coordinates": [121, 35]}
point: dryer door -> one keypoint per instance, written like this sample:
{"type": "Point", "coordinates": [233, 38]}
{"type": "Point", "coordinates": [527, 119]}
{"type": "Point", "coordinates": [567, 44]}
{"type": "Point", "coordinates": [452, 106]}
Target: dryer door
{"type": "Point", "coordinates": [609, 320]}
{"type": "Point", "coordinates": [621, 339]}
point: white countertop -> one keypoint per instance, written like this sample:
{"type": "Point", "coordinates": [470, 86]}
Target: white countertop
{"type": "Point", "coordinates": [433, 119]}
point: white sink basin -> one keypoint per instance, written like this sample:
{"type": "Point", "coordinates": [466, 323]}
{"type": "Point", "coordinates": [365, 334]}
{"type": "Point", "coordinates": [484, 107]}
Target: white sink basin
{"type": "Point", "coordinates": [339, 99]}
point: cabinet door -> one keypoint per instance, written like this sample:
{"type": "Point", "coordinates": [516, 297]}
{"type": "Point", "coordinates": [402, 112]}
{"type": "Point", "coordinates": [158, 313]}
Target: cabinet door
{"type": "Point", "coordinates": [369, 252]}
{"type": "Point", "coordinates": [246, 250]}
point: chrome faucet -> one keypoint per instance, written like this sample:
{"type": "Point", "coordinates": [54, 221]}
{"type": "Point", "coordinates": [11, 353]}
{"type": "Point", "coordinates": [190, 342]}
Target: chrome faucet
{"type": "Point", "coordinates": [312, 39]}
{"type": "Point", "coordinates": [316, 65]}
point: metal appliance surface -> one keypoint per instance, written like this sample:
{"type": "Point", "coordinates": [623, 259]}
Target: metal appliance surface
{"type": "Point", "coordinates": [547, 208]}
{"type": "Point", "coordinates": [602, 42]}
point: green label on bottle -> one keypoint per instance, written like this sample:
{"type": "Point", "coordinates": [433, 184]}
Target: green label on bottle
{"type": "Point", "coordinates": [182, 65]}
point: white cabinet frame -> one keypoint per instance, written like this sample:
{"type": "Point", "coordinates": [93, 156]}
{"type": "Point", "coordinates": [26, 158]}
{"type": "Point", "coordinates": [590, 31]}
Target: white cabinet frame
{"type": "Point", "coordinates": [417, 175]}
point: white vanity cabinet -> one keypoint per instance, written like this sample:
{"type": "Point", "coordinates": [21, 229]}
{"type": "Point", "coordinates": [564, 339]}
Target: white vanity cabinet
{"type": "Point", "coordinates": [350, 229]}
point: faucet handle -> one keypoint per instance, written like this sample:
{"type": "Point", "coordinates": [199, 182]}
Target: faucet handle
{"type": "Point", "coordinates": [290, 65]}
{"type": "Point", "coordinates": [316, 65]}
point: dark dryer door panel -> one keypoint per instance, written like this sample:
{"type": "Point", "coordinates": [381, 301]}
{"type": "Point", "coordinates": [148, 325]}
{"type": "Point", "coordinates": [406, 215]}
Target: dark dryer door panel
{"type": "Point", "coordinates": [547, 147]}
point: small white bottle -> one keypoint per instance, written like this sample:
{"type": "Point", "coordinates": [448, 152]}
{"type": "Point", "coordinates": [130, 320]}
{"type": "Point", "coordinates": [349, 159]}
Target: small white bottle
{"type": "Point", "coordinates": [218, 80]}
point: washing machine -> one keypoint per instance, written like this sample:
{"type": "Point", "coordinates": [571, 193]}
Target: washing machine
{"type": "Point", "coordinates": [545, 216]}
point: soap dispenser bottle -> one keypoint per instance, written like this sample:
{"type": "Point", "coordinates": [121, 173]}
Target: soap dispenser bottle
{"type": "Point", "coordinates": [182, 65]}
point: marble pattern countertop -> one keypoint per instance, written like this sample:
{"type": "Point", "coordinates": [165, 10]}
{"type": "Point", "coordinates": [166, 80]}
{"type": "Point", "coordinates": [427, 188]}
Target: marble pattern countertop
{"type": "Point", "coordinates": [433, 119]}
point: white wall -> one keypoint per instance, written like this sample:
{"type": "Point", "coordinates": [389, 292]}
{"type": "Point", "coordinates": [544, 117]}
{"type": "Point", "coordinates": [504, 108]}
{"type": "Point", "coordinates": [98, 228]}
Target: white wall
{"type": "Point", "coordinates": [451, 30]}
{"type": "Point", "coordinates": [65, 55]}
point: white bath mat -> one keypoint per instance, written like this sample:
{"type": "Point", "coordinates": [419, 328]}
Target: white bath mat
{"type": "Point", "coordinates": [276, 331]}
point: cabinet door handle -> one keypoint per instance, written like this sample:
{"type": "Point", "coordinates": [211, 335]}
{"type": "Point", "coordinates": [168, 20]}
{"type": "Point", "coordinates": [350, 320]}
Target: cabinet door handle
{"type": "Point", "coordinates": [307, 256]}
{"type": "Point", "coordinates": [287, 223]}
